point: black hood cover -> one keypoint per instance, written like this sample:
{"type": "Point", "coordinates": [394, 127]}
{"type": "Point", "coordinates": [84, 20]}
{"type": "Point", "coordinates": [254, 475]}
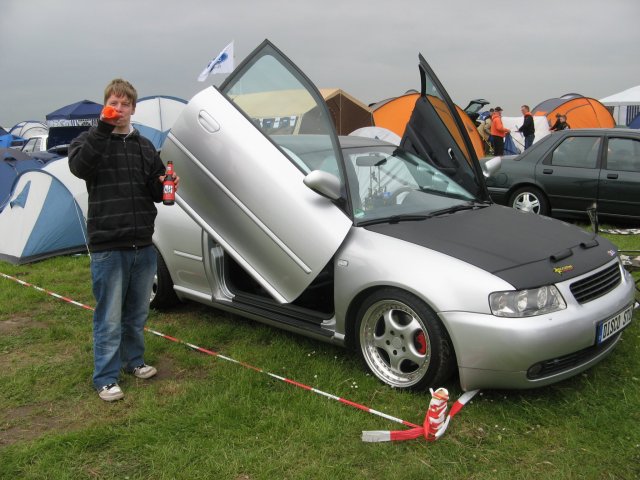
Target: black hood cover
{"type": "Point", "coordinates": [523, 249]}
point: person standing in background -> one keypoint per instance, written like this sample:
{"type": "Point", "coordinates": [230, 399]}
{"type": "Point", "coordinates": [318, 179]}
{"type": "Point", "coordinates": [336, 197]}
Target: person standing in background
{"type": "Point", "coordinates": [484, 130]}
{"type": "Point", "coordinates": [498, 132]}
{"type": "Point", "coordinates": [528, 129]}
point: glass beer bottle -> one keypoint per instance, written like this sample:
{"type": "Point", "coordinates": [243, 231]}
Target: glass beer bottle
{"type": "Point", "coordinates": [169, 186]}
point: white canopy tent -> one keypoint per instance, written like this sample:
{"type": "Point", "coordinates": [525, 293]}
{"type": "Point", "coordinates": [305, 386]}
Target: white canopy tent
{"type": "Point", "coordinates": [626, 105]}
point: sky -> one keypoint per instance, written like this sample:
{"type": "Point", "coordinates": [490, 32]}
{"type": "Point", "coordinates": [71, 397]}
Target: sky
{"type": "Point", "coordinates": [57, 52]}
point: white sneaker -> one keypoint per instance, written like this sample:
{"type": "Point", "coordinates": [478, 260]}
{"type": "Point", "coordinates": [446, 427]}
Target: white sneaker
{"type": "Point", "coordinates": [144, 371]}
{"type": "Point", "coordinates": [111, 392]}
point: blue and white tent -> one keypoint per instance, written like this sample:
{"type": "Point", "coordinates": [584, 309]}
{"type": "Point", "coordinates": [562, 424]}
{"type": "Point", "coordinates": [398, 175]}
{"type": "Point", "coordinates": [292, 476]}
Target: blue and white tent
{"type": "Point", "coordinates": [8, 140]}
{"type": "Point", "coordinates": [44, 215]}
{"type": "Point", "coordinates": [29, 129]}
{"type": "Point", "coordinates": [156, 115]}
{"type": "Point", "coordinates": [13, 162]}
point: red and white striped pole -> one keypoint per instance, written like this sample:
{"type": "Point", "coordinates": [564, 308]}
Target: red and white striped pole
{"type": "Point", "coordinates": [60, 297]}
{"type": "Point", "coordinates": [435, 421]}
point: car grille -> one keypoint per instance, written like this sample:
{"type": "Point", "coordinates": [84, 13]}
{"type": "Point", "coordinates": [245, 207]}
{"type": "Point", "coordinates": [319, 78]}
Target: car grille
{"type": "Point", "coordinates": [567, 362]}
{"type": "Point", "coordinates": [596, 285]}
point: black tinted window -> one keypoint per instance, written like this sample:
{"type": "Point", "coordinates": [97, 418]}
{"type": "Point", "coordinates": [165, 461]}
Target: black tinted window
{"type": "Point", "coordinates": [623, 154]}
{"type": "Point", "coordinates": [580, 152]}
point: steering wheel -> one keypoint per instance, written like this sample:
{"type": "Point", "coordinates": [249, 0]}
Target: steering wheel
{"type": "Point", "coordinates": [398, 192]}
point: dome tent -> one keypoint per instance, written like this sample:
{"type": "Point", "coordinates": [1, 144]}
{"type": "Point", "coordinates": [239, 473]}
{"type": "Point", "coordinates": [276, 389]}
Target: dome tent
{"type": "Point", "coordinates": [155, 115]}
{"type": "Point", "coordinates": [46, 215]}
{"type": "Point", "coordinates": [8, 140]}
{"type": "Point", "coordinates": [29, 129]}
{"type": "Point", "coordinates": [394, 113]}
{"type": "Point", "coordinates": [12, 163]}
{"type": "Point", "coordinates": [581, 112]}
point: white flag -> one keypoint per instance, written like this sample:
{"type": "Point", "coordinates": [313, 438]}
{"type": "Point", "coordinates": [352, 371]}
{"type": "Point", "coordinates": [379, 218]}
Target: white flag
{"type": "Point", "coordinates": [223, 63]}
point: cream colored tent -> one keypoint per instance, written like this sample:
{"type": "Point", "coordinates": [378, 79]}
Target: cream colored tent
{"type": "Point", "coordinates": [294, 111]}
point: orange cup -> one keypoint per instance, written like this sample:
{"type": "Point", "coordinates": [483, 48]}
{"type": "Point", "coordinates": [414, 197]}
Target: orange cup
{"type": "Point", "coordinates": [110, 113]}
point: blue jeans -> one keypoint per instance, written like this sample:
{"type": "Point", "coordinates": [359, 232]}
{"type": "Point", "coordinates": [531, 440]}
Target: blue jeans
{"type": "Point", "coordinates": [122, 283]}
{"type": "Point", "coordinates": [528, 140]}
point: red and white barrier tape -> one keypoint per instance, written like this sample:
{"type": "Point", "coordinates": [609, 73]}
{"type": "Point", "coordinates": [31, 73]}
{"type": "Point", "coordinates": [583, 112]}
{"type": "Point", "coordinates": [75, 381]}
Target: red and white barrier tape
{"type": "Point", "coordinates": [435, 421]}
{"type": "Point", "coordinates": [60, 297]}
{"type": "Point", "coordinates": [434, 416]}
{"type": "Point", "coordinates": [286, 380]}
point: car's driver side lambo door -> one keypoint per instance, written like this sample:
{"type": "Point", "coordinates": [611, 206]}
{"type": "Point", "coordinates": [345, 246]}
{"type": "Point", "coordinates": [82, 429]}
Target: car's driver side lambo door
{"type": "Point", "coordinates": [436, 133]}
{"type": "Point", "coordinates": [243, 189]}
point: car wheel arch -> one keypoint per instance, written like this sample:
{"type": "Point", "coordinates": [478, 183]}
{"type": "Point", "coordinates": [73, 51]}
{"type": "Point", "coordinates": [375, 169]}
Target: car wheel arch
{"type": "Point", "coordinates": [527, 183]}
{"type": "Point", "coordinates": [351, 318]}
{"type": "Point", "coordinates": [163, 296]}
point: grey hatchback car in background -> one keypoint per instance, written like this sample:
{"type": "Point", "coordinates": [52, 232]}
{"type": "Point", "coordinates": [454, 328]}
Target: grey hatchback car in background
{"type": "Point", "coordinates": [567, 172]}
{"type": "Point", "coordinates": [397, 252]}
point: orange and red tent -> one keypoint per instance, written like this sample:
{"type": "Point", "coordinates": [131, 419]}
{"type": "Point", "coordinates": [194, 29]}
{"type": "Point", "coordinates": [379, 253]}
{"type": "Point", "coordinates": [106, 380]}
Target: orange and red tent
{"type": "Point", "coordinates": [394, 114]}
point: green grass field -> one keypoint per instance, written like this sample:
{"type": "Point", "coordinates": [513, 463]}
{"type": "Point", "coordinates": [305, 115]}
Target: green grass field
{"type": "Point", "coordinates": [204, 418]}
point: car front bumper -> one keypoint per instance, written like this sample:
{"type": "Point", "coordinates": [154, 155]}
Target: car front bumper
{"type": "Point", "coordinates": [495, 352]}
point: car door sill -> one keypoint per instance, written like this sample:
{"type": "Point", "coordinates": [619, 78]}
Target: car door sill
{"type": "Point", "coordinates": [291, 315]}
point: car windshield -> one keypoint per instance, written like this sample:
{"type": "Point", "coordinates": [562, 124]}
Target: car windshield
{"type": "Point", "coordinates": [385, 182]}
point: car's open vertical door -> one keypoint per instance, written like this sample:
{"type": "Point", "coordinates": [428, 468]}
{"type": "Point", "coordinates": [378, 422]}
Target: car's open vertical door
{"type": "Point", "coordinates": [245, 190]}
{"type": "Point", "coordinates": [436, 133]}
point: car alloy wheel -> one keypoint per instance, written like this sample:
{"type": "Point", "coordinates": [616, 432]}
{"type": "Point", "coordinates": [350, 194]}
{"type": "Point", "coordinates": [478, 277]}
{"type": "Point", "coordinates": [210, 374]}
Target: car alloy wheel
{"type": "Point", "coordinates": [529, 199]}
{"type": "Point", "coordinates": [402, 340]}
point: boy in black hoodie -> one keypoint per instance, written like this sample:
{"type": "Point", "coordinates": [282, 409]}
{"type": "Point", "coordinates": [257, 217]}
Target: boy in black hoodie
{"type": "Point", "coordinates": [124, 175]}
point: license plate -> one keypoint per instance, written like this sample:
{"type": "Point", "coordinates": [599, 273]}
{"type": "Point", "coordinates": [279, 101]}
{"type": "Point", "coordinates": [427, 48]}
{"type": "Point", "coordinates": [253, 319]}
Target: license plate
{"type": "Point", "coordinates": [607, 328]}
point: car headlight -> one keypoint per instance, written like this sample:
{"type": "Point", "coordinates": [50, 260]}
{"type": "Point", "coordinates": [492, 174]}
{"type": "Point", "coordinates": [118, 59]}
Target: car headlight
{"type": "Point", "coordinates": [526, 303]}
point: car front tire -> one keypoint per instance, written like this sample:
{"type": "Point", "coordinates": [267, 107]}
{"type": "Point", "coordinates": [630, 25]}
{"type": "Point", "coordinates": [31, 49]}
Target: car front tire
{"type": "Point", "coordinates": [163, 296]}
{"type": "Point", "coordinates": [402, 340]}
{"type": "Point", "coordinates": [530, 199]}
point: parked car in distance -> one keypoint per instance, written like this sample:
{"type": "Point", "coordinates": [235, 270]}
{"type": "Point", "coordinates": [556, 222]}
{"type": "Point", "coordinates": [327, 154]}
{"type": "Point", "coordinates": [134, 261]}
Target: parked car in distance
{"type": "Point", "coordinates": [569, 171]}
{"type": "Point", "coordinates": [36, 143]}
{"type": "Point", "coordinates": [397, 252]}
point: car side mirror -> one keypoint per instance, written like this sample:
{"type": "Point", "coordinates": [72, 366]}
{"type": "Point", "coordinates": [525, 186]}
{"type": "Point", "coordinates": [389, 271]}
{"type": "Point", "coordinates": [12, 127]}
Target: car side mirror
{"type": "Point", "coordinates": [491, 166]}
{"type": "Point", "coordinates": [324, 183]}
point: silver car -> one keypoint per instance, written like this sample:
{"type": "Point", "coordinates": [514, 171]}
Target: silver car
{"type": "Point", "coordinates": [395, 251]}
